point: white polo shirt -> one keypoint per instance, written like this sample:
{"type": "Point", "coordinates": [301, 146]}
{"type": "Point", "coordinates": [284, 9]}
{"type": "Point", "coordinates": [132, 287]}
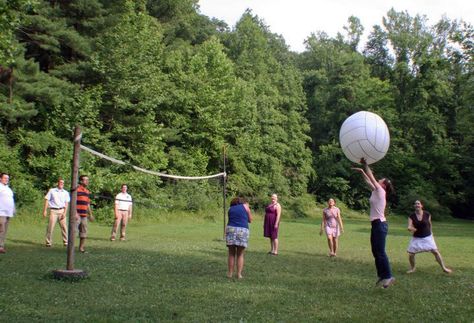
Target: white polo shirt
{"type": "Point", "coordinates": [123, 201]}
{"type": "Point", "coordinates": [57, 198]}
{"type": "Point", "coordinates": [7, 202]}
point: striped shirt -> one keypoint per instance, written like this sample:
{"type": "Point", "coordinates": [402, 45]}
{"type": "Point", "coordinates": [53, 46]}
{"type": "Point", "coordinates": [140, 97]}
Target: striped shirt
{"type": "Point", "coordinates": [83, 200]}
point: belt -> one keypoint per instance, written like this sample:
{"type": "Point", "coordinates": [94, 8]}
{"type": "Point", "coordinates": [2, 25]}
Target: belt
{"type": "Point", "coordinates": [56, 208]}
{"type": "Point", "coordinates": [376, 221]}
{"type": "Point", "coordinates": [122, 210]}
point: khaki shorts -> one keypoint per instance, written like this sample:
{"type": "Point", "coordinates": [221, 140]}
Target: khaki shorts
{"type": "Point", "coordinates": [81, 222]}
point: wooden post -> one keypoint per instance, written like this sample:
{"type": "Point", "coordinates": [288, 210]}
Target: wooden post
{"type": "Point", "coordinates": [70, 272]}
{"type": "Point", "coordinates": [72, 208]}
{"type": "Point", "coordinates": [224, 182]}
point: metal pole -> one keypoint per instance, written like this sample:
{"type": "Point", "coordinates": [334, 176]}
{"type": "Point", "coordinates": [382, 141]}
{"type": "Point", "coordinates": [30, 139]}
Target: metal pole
{"type": "Point", "coordinates": [224, 182]}
{"type": "Point", "coordinates": [72, 204]}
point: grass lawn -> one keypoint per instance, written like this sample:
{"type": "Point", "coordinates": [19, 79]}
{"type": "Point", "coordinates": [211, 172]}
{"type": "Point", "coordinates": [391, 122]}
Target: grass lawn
{"type": "Point", "coordinates": [176, 270]}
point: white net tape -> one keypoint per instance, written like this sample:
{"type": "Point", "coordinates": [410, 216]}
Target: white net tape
{"type": "Point", "coordinates": [116, 161]}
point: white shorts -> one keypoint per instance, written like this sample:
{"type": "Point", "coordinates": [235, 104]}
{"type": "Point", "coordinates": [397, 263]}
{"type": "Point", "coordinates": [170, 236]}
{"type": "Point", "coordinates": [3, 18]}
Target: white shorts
{"type": "Point", "coordinates": [425, 244]}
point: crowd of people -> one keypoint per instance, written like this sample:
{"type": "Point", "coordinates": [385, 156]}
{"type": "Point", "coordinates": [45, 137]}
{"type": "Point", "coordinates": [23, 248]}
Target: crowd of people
{"type": "Point", "coordinates": [57, 201]}
{"type": "Point", "coordinates": [419, 224]}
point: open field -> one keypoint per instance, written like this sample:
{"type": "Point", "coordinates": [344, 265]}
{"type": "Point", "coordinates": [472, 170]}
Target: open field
{"type": "Point", "coordinates": [175, 270]}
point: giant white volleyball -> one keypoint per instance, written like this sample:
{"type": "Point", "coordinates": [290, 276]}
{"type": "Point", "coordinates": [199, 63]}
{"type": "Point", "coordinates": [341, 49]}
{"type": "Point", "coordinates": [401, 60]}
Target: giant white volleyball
{"type": "Point", "coordinates": [364, 135]}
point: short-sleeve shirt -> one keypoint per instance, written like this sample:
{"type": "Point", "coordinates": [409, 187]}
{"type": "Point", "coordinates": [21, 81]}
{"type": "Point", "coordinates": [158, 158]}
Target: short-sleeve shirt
{"type": "Point", "coordinates": [423, 227]}
{"type": "Point", "coordinates": [7, 201]}
{"type": "Point", "coordinates": [123, 201]}
{"type": "Point", "coordinates": [83, 200]}
{"type": "Point", "coordinates": [57, 198]}
{"type": "Point", "coordinates": [377, 204]}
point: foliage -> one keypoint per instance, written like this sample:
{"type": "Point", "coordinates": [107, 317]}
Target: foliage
{"type": "Point", "coordinates": [160, 86]}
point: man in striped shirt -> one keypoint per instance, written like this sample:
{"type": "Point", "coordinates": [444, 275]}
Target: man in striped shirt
{"type": "Point", "coordinates": [84, 211]}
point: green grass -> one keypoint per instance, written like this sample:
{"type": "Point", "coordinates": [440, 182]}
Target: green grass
{"type": "Point", "coordinates": [174, 269]}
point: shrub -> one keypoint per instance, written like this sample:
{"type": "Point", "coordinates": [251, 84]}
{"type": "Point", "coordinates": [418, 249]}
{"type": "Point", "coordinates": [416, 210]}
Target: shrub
{"type": "Point", "coordinates": [302, 206]}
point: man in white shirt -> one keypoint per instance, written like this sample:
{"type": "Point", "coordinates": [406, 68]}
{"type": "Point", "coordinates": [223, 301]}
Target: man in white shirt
{"type": "Point", "coordinates": [7, 208]}
{"type": "Point", "coordinates": [57, 200]}
{"type": "Point", "coordinates": [123, 212]}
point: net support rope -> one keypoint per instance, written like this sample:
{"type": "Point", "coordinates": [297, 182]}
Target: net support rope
{"type": "Point", "coordinates": [116, 161]}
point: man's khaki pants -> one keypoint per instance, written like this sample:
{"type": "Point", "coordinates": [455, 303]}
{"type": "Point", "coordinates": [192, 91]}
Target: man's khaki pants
{"type": "Point", "coordinates": [3, 229]}
{"type": "Point", "coordinates": [54, 216]}
{"type": "Point", "coordinates": [122, 216]}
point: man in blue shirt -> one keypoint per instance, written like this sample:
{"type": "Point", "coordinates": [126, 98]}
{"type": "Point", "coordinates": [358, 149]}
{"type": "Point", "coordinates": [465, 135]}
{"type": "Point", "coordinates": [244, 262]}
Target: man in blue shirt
{"type": "Point", "coordinates": [57, 201]}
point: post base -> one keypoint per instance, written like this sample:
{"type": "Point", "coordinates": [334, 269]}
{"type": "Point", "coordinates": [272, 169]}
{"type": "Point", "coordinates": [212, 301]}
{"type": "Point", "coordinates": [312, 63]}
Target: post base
{"type": "Point", "coordinates": [74, 274]}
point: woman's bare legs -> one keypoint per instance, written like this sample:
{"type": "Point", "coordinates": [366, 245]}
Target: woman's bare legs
{"type": "Point", "coordinates": [240, 261]}
{"type": "Point", "coordinates": [331, 246]}
{"type": "Point", "coordinates": [411, 259]}
{"type": "Point", "coordinates": [231, 261]}
{"type": "Point", "coordinates": [334, 246]}
{"type": "Point", "coordinates": [275, 246]}
{"type": "Point", "coordinates": [440, 261]}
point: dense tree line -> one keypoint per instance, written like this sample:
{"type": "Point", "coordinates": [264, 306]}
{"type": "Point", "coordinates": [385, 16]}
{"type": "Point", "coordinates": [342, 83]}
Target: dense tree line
{"type": "Point", "coordinates": [159, 85]}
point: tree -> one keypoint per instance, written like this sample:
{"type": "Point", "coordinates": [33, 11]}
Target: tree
{"type": "Point", "coordinates": [377, 54]}
{"type": "Point", "coordinates": [354, 30]}
{"type": "Point", "coordinates": [272, 148]}
{"type": "Point", "coordinates": [128, 62]}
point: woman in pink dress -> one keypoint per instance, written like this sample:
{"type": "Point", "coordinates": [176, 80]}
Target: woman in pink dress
{"type": "Point", "coordinates": [332, 224]}
{"type": "Point", "coordinates": [271, 224]}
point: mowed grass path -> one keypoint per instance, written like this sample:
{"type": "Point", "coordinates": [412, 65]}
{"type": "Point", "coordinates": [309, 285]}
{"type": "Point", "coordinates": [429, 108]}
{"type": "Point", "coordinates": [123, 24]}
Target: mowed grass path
{"type": "Point", "coordinates": [175, 270]}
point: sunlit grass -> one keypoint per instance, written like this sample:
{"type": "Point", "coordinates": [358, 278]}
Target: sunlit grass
{"type": "Point", "coordinates": [174, 269]}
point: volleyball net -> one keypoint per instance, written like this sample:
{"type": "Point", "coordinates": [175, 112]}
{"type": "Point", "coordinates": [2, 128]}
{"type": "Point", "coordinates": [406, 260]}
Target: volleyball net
{"type": "Point", "coordinates": [146, 171]}
{"type": "Point", "coordinates": [170, 193]}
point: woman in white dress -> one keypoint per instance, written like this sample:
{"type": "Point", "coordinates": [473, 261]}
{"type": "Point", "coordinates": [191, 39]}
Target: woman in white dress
{"type": "Point", "coordinates": [419, 223]}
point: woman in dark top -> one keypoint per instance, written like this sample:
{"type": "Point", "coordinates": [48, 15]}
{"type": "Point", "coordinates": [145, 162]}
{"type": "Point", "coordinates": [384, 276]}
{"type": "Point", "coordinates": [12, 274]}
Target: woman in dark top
{"type": "Point", "coordinates": [237, 235]}
{"type": "Point", "coordinates": [419, 223]}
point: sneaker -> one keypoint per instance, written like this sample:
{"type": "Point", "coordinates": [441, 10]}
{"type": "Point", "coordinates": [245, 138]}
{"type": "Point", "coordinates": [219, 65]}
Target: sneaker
{"type": "Point", "coordinates": [112, 238]}
{"type": "Point", "coordinates": [122, 239]}
{"type": "Point", "coordinates": [388, 282]}
{"type": "Point", "coordinates": [65, 244]}
{"type": "Point", "coordinates": [48, 246]}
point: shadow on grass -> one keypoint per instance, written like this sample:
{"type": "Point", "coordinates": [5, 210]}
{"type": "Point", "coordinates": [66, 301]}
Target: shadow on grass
{"type": "Point", "coordinates": [27, 242]}
{"type": "Point", "coordinates": [99, 239]}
